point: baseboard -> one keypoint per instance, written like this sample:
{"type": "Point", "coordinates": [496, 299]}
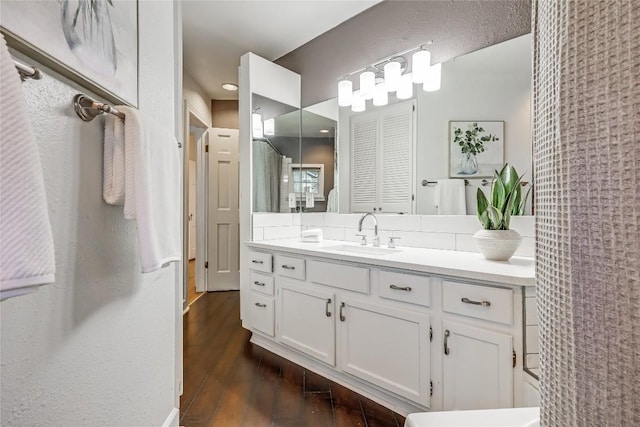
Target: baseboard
{"type": "Point", "coordinates": [173, 418]}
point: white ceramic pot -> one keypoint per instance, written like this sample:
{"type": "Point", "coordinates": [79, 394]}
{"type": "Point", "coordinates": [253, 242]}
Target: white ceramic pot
{"type": "Point", "coordinates": [497, 245]}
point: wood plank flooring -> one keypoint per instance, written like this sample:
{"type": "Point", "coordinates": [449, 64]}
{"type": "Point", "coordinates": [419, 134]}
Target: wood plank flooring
{"type": "Point", "coordinates": [192, 295]}
{"type": "Point", "coordinates": [230, 382]}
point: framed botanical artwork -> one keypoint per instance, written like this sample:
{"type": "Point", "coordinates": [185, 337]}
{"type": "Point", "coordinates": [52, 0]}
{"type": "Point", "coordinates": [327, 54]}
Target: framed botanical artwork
{"type": "Point", "coordinates": [476, 148]}
{"type": "Point", "coordinates": [92, 42]}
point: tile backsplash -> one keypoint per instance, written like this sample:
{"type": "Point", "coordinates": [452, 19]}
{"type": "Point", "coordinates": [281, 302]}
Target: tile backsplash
{"type": "Point", "coordinates": [448, 232]}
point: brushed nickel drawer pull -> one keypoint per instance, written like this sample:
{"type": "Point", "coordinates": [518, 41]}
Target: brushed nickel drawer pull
{"type": "Point", "coordinates": [258, 283]}
{"type": "Point", "coordinates": [446, 342]}
{"type": "Point", "coordinates": [470, 301]}
{"type": "Point", "coordinates": [326, 309]}
{"type": "Point", "coordinates": [261, 305]}
{"type": "Point", "coordinates": [342, 318]}
{"type": "Point", "coordinates": [288, 267]}
{"type": "Point", "coordinates": [255, 261]}
{"type": "Point", "coordinates": [400, 288]}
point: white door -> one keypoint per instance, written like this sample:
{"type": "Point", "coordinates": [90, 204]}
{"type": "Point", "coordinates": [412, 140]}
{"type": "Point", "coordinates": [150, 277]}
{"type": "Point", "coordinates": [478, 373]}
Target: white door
{"type": "Point", "coordinates": [305, 320]}
{"type": "Point", "coordinates": [223, 272]}
{"type": "Point", "coordinates": [385, 346]}
{"type": "Point", "coordinates": [192, 209]}
{"type": "Point", "coordinates": [477, 368]}
{"type": "Point", "coordinates": [364, 175]}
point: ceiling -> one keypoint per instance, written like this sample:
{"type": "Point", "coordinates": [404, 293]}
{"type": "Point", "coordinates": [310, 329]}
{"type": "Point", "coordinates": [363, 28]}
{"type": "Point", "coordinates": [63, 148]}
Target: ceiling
{"type": "Point", "coordinates": [217, 33]}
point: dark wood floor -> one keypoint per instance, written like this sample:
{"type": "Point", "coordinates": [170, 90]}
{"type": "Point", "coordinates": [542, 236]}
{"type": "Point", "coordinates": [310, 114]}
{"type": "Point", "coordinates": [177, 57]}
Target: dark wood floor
{"type": "Point", "coordinates": [230, 382]}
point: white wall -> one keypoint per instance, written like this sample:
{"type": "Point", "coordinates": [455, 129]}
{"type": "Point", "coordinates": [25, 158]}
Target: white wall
{"type": "Point", "coordinates": [97, 348]}
{"type": "Point", "coordinates": [196, 97]}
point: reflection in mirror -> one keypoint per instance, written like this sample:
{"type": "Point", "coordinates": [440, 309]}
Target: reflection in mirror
{"type": "Point", "coordinates": [489, 85]}
{"type": "Point", "coordinates": [315, 176]}
{"type": "Point", "coordinates": [276, 145]}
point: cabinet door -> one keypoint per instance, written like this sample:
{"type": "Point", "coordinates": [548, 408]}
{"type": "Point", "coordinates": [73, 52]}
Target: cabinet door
{"type": "Point", "coordinates": [364, 162]}
{"type": "Point", "coordinates": [477, 368]}
{"type": "Point", "coordinates": [387, 347]}
{"type": "Point", "coordinates": [305, 320]}
{"type": "Point", "coordinates": [395, 153]}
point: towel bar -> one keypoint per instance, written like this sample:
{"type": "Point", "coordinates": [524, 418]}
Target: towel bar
{"type": "Point", "coordinates": [88, 108]}
{"type": "Point", "coordinates": [26, 71]}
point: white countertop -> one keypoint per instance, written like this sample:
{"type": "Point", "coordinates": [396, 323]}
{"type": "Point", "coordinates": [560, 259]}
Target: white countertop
{"type": "Point", "coordinates": [517, 271]}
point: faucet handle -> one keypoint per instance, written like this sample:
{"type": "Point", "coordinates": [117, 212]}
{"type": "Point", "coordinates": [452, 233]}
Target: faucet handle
{"type": "Point", "coordinates": [392, 243]}
{"type": "Point", "coordinates": [363, 242]}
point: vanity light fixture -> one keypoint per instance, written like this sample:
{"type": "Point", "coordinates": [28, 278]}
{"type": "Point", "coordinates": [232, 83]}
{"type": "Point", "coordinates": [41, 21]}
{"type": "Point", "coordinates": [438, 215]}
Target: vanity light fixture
{"type": "Point", "coordinates": [381, 96]}
{"type": "Point", "coordinates": [345, 92]}
{"type": "Point", "coordinates": [395, 79]}
{"type": "Point", "coordinates": [434, 76]}
{"type": "Point", "coordinates": [358, 103]}
{"type": "Point", "coordinates": [324, 131]}
{"type": "Point", "coordinates": [270, 126]}
{"type": "Point", "coordinates": [230, 86]}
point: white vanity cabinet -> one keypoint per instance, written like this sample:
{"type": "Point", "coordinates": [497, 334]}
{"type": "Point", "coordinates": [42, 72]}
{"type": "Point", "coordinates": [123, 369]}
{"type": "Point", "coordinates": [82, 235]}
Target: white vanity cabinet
{"type": "Point", "coordinates": [410, 340]}
{"type": "Point", "coordinates": [262, 308]}
{"type": "Point", "coordinates": [385, 346]}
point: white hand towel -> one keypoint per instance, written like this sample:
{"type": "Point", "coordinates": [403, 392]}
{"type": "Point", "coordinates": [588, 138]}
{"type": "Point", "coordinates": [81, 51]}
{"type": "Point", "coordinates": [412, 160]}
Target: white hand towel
{"type": "Point", "coordinates": [113, 183]}
{"type": "Point", "coordinates": [152, 189]}
{"type": "Point", "coordinates": [26, 241]}
{"type": "Point", "coordinates": [332, 201]}
{"type": "Point", "coordinates": [450, 197]}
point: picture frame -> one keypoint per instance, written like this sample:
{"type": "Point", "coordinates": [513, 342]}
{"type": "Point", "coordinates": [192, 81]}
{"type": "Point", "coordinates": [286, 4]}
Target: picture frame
{"type": "Point", "coordinates": [92, 43]}
{"type": "Point", "coordinates": [476, 148]}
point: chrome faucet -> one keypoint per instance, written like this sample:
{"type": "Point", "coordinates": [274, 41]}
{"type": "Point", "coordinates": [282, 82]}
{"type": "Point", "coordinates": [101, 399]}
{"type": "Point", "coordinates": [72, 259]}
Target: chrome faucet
{"type": "Point", "coordinates": [376, 239]}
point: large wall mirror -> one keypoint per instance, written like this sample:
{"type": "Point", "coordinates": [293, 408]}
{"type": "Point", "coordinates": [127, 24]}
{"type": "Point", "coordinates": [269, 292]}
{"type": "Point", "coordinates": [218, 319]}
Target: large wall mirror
{"type": "Point", "coordinates": [275, 131]}
{"type": "Point", "coordinates": [491, 85]}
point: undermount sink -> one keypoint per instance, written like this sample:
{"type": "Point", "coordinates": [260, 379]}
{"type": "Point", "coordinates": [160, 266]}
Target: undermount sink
{"type": "Point", "coordinates": [366, 250]}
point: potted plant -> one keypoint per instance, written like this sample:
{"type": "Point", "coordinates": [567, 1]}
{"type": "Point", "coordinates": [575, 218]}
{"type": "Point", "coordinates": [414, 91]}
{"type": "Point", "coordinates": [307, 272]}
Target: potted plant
{"type": "Point", "coordinates": [471, 144]}
{"type": "Point", "coordinates": [496, 241]}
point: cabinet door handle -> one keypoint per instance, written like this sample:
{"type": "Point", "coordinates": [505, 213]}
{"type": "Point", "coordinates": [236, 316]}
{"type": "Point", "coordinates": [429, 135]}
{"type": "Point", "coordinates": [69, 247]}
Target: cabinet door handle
{"type": "Point", "coordinates": [342, 318]}
{"type": "Point", "coordinates": [288, 267]}
{"type": "Point", "coordinates": [255, 261]}
{"type": "Point", "coordinates": [261, 305]}
{"type": "Point", "coordinates": [482, 303]}
{"type": "Point", "coordinates": [400, 288]}
{"type": "Point", "coordinates": [258, 283]}
{"type": "Point", "coordinates": [446, 341]}
{"type": "Point", "coordinates": [326, 308]}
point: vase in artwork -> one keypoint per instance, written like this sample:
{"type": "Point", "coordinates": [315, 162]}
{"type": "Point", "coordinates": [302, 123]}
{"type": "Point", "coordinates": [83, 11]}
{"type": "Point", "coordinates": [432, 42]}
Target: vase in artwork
{"type": "Point", "coordinates": [469, 164]}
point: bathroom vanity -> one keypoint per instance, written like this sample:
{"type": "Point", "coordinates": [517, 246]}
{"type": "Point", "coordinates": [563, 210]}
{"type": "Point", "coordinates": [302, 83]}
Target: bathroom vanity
{"type": "Point", "coordinates": [413, 329]}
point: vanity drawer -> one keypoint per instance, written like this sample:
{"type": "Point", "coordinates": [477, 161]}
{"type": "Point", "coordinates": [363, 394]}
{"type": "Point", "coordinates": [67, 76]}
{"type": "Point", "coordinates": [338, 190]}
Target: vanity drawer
{"type": "Point", "coordinates": [482, 302]}
{"type": "Point", "coordinates": [261, 261]}
{"type": "Point", "coordinates": [261, 283]}
{"type": "Point", "coordinates": [405, 287]}
{"type": "Point", "coordinates": [262, 314]}
{"type": "Point", "coordinates": [339, 276]}
{"type": "Point", "coordinates": [290, 267]}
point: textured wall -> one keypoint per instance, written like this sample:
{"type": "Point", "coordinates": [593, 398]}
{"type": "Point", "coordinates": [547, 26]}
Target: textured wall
{"type": "Point", "coordinates": [195, 96]}
{"type": "Point", "coordinates": [586, 130]}
{"type": "Point", "coordinates": [97, 348]}
{"type": "Point", "coordinates": [456, 27]}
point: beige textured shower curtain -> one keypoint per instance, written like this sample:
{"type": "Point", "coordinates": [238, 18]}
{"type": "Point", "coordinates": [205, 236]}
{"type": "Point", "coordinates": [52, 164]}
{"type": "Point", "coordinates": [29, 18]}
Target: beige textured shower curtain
{"type": "Point", "coordinates": [587, 165]}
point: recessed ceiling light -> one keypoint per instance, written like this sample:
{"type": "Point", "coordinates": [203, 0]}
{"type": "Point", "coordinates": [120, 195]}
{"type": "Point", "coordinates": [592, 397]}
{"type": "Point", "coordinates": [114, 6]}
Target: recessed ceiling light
{"type": "Point", "coordinates": [324, 130]}
{"type": "Point", "coordinates": [229, 86]}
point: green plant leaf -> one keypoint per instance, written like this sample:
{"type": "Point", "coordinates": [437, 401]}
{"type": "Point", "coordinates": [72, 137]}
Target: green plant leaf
{"type": "Point", "coordinates": [482, 202]}
{"type": "Point", "coordinates": [495, 216]}
{"type": "Point", "coordinates": [498, 193]}
{"type": "Point", "coordinates": [523, 204]}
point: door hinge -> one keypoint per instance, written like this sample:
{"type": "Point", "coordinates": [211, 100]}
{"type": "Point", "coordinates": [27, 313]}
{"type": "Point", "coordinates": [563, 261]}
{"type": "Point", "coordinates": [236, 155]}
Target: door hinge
{"type": "Point", "coordinates": [430, 388]}
{"type": "Point", "coordinates": [430, 334]}
{"type": "Point", "coordinates": [206, 148]}
{"type": "Point", "coordinates": [514, 358]}
{"type": "Point", "coordinates": [206, 264]}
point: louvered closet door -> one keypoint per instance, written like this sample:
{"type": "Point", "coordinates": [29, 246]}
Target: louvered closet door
{"type": "Point", "coordinates": [364, 162]}
{"type": "Point", "coordinates": [396, 160]}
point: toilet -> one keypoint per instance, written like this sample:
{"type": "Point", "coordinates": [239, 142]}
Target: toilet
{"type": "Point", "coordinates": [510, 417]}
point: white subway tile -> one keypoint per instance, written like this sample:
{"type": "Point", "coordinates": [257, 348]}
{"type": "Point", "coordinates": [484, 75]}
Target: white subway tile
{"type": "Point", "coordinates": [527, 247]}
{"type": "Point", "coordinates": [533, 339]}
{"type": "Point", "coordinates": [296, 219]}
{"type": "Point", "coordinates": [465, 243]}
{"type": "Point", "coordinates": [398, 222]}
{"type": "Point", "coordinates": [313, 219]}
{"type": "Point", "coordinates": [272, 219]}
{"type": "Point", "coordinates": [525, 225]}
{"type": "Point", "coordinates": [272, 233]}
{"type": "Point", "coordinates": [425, 240]}
{"type": "Point", "coordinates": [333, 233]}
{"type": "Point", "coordinates": [531, 311]}
{"type": "Point", "coordinates": [258, 234]}
{"type": "Point", "coordinates": [456, 224]}
{"type": "Point", "coordinates": [533, 361]}
{"type": "Point", "coordinates": [341, 220]}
